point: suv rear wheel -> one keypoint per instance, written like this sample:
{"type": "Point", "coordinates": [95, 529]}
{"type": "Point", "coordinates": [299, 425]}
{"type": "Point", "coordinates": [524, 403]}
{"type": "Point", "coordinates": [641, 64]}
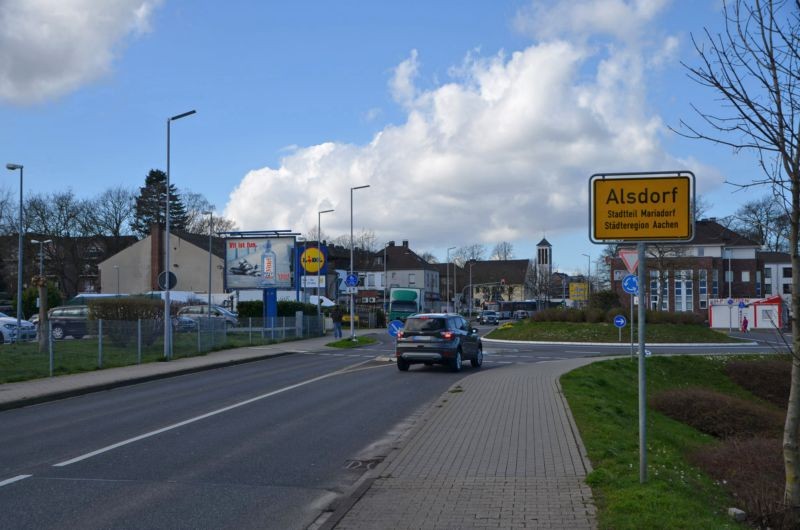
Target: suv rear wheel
{"type": "Point", "coordinates": [402, 364]}
{"type": "Point", "coordinates": [477, 362]}
{"type": "Point", "coordinates": [456, 363]}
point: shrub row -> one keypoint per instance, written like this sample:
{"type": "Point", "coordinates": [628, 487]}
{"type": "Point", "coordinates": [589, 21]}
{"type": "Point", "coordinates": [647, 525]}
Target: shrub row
{"type": "Point", "coordinates": [255, 309]}
{"type": "Point", "coordinates": [594, 315]}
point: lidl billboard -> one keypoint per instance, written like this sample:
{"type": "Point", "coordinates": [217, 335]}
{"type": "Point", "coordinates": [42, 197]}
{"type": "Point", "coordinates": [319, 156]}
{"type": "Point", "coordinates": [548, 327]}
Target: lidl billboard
{"type": "Point", "coordinates": [642, 207]}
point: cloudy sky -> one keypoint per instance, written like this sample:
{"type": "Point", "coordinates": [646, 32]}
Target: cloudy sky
{"type": "Point", "coordinates": [471, 121]}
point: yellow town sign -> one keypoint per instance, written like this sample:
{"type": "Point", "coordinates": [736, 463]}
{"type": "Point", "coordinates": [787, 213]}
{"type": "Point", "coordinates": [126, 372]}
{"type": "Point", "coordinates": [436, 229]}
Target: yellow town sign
{"type": "Point", "coordinates": [655, 207]}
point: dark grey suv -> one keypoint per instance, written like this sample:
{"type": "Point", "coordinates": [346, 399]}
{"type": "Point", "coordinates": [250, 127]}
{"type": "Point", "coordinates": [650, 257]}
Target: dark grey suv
{"type": "Point", "coordinates": [438, 338]}
{"type": "Point", "coordinates": [69, 320]}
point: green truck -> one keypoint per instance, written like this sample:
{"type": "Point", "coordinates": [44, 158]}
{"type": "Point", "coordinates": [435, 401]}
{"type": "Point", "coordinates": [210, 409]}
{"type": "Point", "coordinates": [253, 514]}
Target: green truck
{"type": "Point", "coordinates": [404, 302]}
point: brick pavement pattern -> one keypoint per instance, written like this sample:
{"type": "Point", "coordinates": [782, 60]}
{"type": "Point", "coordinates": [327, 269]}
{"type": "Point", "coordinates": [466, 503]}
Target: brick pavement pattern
{"type": "Point", "coordinates": [498, 450]}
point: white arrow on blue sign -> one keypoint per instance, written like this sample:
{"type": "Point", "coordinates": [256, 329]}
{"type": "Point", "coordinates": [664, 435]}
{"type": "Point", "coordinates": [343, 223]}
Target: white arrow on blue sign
{"type": "Point", "coordinates": [394, 327]}
{"type": "Point", "coordinates": [620, 321]}
{"type": "Point", "coordinates": [630, 284]}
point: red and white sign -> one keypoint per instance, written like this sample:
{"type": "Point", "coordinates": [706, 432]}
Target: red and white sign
{"type": "Point", "coordinates": [631, 259]}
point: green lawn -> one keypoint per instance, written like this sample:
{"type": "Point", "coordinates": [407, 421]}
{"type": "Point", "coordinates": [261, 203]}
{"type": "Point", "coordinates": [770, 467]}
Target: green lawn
{"type": "Point", "coordinates": [347, 342]}
{"type": "Point", "coordinates": [603, 398]}
{"type": "Point", "coordinates": [603, 332]}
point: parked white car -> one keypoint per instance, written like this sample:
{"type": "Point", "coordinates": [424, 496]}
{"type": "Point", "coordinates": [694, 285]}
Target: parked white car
{"type": "Point", "coordinates": [8, 329]}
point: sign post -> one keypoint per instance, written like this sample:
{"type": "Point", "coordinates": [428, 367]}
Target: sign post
{"type": "Point", "coordinates": [630, 284]}
{"type": "Point", "coordinates": [641, 208]}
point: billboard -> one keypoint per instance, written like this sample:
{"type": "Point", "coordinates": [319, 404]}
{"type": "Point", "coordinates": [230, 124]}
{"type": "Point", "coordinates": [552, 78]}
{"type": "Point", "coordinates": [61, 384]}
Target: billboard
{"type": "Point", "coordinates": [258, 262]}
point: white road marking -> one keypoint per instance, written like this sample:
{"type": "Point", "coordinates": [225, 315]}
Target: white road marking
{"type": "Point", "coordinates": [13, 480]}
{"type": "Point", "coordinates": [197, 418]}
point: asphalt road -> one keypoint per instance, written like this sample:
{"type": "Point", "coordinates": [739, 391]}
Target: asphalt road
{"type": "Point", "coordinates": [261, 445]}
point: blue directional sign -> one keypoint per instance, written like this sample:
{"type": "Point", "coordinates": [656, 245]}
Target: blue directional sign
{"type": "Point", "coordinates": [394, 327]}
{"type": "Point", "coordinates": [742, 305]}
{"type": "Point", "coordinates": [620, 321]}
{"type": "Point", "coordinates": [351, 280]}
{"type": "Point", "coordinates": [730, 301]}
{"type": "Point", "coordinates": [630, 284]}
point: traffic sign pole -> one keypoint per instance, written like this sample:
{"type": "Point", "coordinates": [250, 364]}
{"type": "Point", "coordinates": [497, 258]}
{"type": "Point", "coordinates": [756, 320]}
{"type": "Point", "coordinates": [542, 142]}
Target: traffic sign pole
{"type": "Point", "coordinates": [642, 378]}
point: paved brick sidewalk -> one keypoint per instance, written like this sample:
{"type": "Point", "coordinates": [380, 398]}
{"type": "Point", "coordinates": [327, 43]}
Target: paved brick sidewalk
{"type": "Point", "coordinates": [499, 450]}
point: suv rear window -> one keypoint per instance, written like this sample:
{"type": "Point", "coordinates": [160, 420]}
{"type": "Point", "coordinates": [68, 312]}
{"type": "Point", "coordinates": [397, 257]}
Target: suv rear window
{"type": "Point", "coordinates": [425, 324]}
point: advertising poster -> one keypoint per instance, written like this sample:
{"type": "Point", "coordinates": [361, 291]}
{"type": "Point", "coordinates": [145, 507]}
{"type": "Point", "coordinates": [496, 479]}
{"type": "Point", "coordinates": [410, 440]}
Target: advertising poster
{"type": "Point", "coordinates": [258, 263]}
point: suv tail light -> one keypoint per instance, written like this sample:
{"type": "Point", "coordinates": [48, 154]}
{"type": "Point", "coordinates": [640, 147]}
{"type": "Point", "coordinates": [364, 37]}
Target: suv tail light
{"type": "Point", "coordinates": [447, 335]}
{"type": "Point", "coordinates": [399, 334]}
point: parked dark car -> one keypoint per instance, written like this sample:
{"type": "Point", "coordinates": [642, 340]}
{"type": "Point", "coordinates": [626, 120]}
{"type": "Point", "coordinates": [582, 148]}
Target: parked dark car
{"type": "Point", "coordinates": [488, 317]}
{"type": "Point", "coordinates": [183, 324]}
{"type": "Point", "coordinates": [439, 338]}
{"type": "Point", "coordinates": [69, 320]}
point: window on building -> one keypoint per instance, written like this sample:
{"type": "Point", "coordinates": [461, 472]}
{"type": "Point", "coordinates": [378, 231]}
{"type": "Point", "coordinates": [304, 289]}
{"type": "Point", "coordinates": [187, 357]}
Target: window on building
{"type": "Point", "coordinates": [715, 283]}
{"type": "Point", "coordinates": [412, 278]}
{"type": "Point", "coordinates": [767, 289]}
{"type": "Point", "coordinates": [758, 283]}
{"type": "Point", "coordinates": [787, 288]}
{"type": "Point", "coordinates": [768, 273]}
{"type": "Point", "coordinates": [746, 276]}
{"type": "Point", "coordinates": [619, 275]}
{"type": "Point", "coordinates": [702, 286]}
{"type": "Point", "coordinates": [701, 251]}
{"type": "Point", "coordinates": [787, 272]}
{"type": "Point", "coordinates": [684, 291]}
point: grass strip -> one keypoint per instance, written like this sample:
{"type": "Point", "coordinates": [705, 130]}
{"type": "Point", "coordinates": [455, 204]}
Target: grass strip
{"type": "Point", "coordinates": [603, 398]}
{"type": "Point", "coordinates": [604, 332]}
{"type": "Point", "coordinates": [349, 343]}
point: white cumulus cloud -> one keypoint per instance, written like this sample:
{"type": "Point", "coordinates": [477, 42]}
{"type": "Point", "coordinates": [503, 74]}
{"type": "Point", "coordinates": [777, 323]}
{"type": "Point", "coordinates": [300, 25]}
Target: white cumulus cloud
{"type": "Point", "coordinates": [503, 151]}
{"type": "Point", "coordinates": [50, 47]}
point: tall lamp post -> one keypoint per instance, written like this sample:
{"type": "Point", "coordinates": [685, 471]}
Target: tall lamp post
{"type": "Point", "coordinates": [167, 302]}
{"type": "Point", "coordinates": [116, 268]}
{"type": "Point", "coordinates": [352, 298]}
{"type": "Point", "coordinates": [210, 214]}
{"type": "Point", "coordinates": [588, 278]}
{"type": "Point", "coordinates": [471, 288]}
{"type": "Point", "coordinates": [447, 285]}
{"type": "Point", "coordinates": [14, 167]}
{"type": "Point", "coordinates": [319, 265]}
{"type": "Point", "coordinates": [385, 278]}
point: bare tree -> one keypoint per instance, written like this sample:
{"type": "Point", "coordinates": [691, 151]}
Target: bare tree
{"type": "Point", "coordinates": [464, 254]}
{"type": "Point", "coordinates": [429, 257]}
{"type": "Point", "coordinates": [752, 66]}
{"type": "Point", "coordinates": [503, 251]}
{"type": "Point", "coordinates": [763, 220]}
{"type": "Point", "coordinates": [111, 212]}
{"type": "Point", "coordinates": [701, 206]}
{"type": "Point", "coordinates": [197, 216]}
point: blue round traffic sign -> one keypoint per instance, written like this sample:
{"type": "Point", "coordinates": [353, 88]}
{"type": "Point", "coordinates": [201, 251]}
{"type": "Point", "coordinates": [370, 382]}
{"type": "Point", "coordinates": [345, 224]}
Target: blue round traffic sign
{"type": "Point", "coordinates": [620, 321]}
{"type": "Point", "coordinates": [630, 284]}
{"type": "Point", "coordinates": [351, 280]}
{"type": "Point", "coordinates": [742, 305]}
{"type": "Point", "coordinates": [394, 327]}
{"type": "Point", "coordinates": [730, 301]}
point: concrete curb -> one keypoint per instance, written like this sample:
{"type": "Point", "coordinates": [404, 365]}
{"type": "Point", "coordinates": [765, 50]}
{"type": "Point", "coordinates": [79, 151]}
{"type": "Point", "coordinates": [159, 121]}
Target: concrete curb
{"type": "Point", "coordinates": [622, 344]}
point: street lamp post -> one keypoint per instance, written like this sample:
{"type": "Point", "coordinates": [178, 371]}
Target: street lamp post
{"type": "Point", "coordinates": [588, 277]}
{"type": "Point", "coordinates": [352, 298]}
{"type": "Point", "coordinates": [385, 278]}
{"type": "Point", "coordinates": [116, 268]}
{"type": "Point", "coordinates": [471, 287]}
{"type": "Point", "coordinates": [319, 265]}
{"type": "Point", "coordinates": [167, 319]}
{"type": "Point", "coordinates": [14, 167]}
{"type": "Point", "coordinates": [210, 231]}
{"type": "Point", "coordinates": [447, 285]}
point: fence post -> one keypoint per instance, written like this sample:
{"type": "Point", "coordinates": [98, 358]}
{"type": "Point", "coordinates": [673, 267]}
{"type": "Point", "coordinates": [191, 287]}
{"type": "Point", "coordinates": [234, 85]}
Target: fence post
{"type": "Point", "coordinates": [100, 343]}
{"type": "Point", "coordinates": [138, 341]}
{"type": "Point", "coordinates": [298, 324]}
{"type": "Point", "coordinates": [50, 344]}
{"type": "Point", "coordinates": [250, 329]}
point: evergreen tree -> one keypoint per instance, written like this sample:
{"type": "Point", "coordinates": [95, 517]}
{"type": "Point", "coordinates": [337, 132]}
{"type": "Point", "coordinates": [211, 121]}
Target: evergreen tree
{"type": "Point", "coordinates": [150, 204]}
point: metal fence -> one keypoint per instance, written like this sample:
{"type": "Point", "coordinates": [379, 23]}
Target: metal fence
{"type": "Point", "coordinates": [113, 343]}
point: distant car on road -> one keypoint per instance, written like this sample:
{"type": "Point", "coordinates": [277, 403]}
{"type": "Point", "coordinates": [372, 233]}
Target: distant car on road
{"type": "Point", "coordinates": [9, 332]}
{"type": "Point", "coordinates": [521, 314]}
{"type": "Point", "coordinates": [439, 338]}
{"type": "Point", "coordinates": [488, 317]}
